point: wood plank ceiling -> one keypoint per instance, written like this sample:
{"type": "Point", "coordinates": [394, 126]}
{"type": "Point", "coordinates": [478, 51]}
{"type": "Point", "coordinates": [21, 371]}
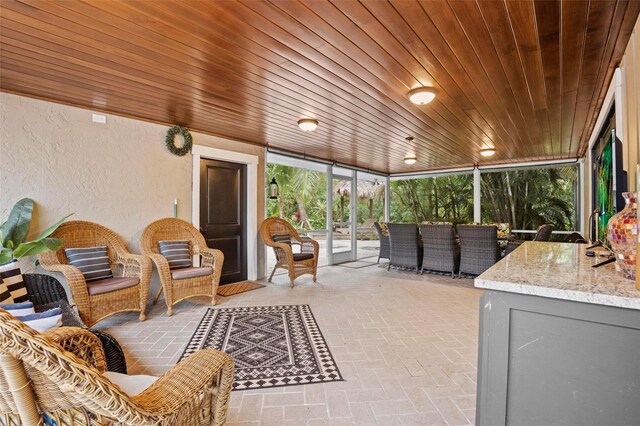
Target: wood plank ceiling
{"type": "Point", "coordinates": [525, 77]}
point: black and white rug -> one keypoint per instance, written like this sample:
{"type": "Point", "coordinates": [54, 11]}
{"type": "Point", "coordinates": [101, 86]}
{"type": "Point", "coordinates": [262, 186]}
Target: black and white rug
{"type": "Point", "coordinates": [271, 345]}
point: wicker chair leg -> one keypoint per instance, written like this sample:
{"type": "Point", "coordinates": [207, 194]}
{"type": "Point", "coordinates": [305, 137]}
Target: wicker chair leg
{"type": "Point", "coordinates": [158, 295]}
{"type": "Point", "coordinates": [169, 311]}
{"type": "Point", "coordinates": [291, 283]}
{"type": "Point", "coordinates": [315, 279]}
{"type": "Point", "coordinates": [273, 272]}
{"type": "Point", "coordinates": [142, 316]}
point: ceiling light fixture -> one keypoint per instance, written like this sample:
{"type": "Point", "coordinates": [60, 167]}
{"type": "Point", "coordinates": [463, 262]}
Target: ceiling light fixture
{"type": "Point", "coordinates": [308, 124]}
{"type": "Point", "coordinates": [487, 152]}
{"type": "Point", "coordinates": [422, 95]}
{"type": "Point", "coordinates": [410, 159]}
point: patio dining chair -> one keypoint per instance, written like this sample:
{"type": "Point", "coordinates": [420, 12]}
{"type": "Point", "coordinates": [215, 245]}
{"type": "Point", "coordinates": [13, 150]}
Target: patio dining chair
{"type": "Point", "coordinates": [543, 234]}
{"type": "Point", "coordinates": [383, 236]}
{"type": "Point", "coordinates": [122, 283]}
{"type": "Point", "coordinates": [479, 248]}
{"type": "Point", "coordinates": [182, 281]}
{"type": "Point", "coordinates": [60, 375]}
{"type": "Point", "coordinates": [281, 236]}
{"type": "Point", "coordinates": [405, 246]}
{"type": "Point", "coordinates": [441, 250]}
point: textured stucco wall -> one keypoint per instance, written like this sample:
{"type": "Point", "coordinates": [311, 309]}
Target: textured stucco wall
{"type": "Point", "coordinates": [118, 174]}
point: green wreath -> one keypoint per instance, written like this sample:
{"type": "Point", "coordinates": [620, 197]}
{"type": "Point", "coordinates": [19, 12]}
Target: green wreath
{"type": "Point", "coordinates": [171, 144]}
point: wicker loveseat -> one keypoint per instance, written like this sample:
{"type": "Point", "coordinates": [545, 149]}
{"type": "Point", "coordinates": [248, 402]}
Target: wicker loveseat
{"type": "Point", "coordinates": [126, 292]}
{"type": "Point", "coordinates": [60, 374]}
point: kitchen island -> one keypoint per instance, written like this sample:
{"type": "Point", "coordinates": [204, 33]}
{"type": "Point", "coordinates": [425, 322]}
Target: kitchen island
{"type": "Point", "coordinates": [559, 340]}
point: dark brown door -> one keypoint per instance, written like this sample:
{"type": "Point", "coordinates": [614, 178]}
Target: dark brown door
{"type": "Point", "coordinates": [223, 214]}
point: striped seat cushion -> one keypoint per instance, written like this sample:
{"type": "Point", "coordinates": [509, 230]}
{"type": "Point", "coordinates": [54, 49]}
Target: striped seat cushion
{"type": "Point", "coordinates": [177, 253]}
{"type": "Point", "coordinates": [93, 262]}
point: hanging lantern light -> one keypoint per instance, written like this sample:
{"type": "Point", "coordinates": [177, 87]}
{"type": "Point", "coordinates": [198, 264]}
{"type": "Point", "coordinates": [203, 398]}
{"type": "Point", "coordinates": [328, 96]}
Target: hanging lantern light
{"type": "Point", "coordinates": [274, 191]}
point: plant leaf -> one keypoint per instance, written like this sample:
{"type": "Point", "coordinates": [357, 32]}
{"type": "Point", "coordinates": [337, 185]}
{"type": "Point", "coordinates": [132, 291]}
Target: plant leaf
{"type": "Point", "coordinates": [52, 228]}
{"type": "Point", "coordinates": [36, 247]}
{"type": "Point", "coordinates": [6, 255]}
{"type": "Point", "coordinates": [17, 226]}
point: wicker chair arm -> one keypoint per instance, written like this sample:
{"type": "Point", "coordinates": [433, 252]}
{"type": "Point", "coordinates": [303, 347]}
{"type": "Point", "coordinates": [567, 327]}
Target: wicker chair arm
{"type": "Point", "coordinates": [135, 265]}
{"type": "Point", "coordinates": [307, 243]}
{"type": "Point", "coordinates": [202, 371]}
{"type": "Point", "coordinates": [210, 257]}
{"type": "Point", "coordinates": [82, 343]}
{"type": "Point", "coordinates": [76, 283]}
{"type": "Point", "coordinates": [162, 264]}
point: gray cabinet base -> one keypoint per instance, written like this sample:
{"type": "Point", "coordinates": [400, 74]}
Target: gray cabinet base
{"type": "Point", "coordinates": [556, 362]}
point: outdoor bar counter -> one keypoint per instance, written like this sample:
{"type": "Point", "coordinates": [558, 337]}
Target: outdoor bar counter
{"type": "Point", "coordinates": [559, 341]}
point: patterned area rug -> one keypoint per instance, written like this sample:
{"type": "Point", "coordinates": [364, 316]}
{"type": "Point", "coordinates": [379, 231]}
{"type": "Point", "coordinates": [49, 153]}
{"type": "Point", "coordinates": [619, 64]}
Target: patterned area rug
{"type": "Point", "coordinates": [237, 288]}
{"type": "Point", "coordinates": [271, 345]}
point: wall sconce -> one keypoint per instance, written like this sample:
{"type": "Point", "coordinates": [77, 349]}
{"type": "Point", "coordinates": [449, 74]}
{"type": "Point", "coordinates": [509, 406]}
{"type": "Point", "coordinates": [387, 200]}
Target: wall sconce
{"type": "Point", "coordinates": [274, 191]}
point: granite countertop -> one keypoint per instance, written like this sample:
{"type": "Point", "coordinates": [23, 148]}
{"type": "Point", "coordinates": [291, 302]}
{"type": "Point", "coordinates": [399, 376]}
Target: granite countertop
{"type": "Point", "coordinates": [560, 271]}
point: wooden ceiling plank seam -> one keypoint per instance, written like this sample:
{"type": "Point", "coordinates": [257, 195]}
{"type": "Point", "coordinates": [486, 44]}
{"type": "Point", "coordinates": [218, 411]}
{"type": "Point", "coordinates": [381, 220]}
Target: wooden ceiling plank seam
{"type": "Point", "coordinates": [385, 106]}
{"type": "Point", "coordinates": [530, 56]}
{"type": "Point", "coordinates": [303, 23]}
{"type": "Point", "coordinates": [412, 14]}
{"type": "Point", "coordinates": [498, 105]}
{"type": "Point", "coordinates": [573, 24]}
{"type": "Point", "coordinates": [605, 73]}
{"type": "Point", "coordinates": [454, 84]}
{"type": "Point", "coordinates": [474, 137]}
{"type": "Point", "coordinates": [549, 36]}
{"type": "Point", "coordinates": [594, 54]}
{"type": "Point", "coordinates": [499, 79]}
{"type": "Point", "coordinates": [512, 70]}
{"type": "Point", "coordinates": [451, 128]}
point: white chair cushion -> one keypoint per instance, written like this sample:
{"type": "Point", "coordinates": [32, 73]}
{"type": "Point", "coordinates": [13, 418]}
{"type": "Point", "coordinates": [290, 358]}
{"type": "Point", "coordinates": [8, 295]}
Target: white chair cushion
{"type": "Point", "coordinates": [131, 385]}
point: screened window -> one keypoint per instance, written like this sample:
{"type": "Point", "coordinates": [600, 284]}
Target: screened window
{"type": "Point", "coordinates": [446, 198]}
{"type": "Point", "coordinates": [529, 197]}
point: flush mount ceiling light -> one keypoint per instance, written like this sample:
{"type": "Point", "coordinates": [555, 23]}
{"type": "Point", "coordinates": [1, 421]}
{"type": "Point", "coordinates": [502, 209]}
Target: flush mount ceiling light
{"type": "Point", "coordinates": [410, 159]}
{"type": "Point", "coordinates": [487, 152]}
{"type": "Point", "coordinates": [308, 124]}
{"type": "Point", "coordinates": [422, 95]}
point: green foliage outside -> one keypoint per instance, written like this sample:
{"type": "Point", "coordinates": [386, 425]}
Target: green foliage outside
{"type": "Point", "coordinates": [528, 198]}
{"type": "Point", "coordinates": [440, 199]}
{"type": "Point", "coordinates": [303, 199]}
{"type": "Point", "coordinates": [525, 198]}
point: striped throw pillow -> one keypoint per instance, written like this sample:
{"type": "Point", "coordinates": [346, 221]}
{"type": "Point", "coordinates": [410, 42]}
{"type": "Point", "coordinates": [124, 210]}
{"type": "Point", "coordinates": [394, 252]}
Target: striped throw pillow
{"type": "Point", "coordinates": [177, 253]}
{"type": "Point", "coordinates": [281, 238]}
{"type": "Point", "coordinates": [93, 262]}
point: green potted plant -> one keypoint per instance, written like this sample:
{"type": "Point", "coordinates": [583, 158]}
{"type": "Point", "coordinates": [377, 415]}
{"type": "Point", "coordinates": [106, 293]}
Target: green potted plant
{"type": "Point", "coordinates": [13, 233]}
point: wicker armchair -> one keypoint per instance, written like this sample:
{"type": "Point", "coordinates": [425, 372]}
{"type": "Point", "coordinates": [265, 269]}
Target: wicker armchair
{"type": "Point", "coordinates": [543, 234]}
{"type": "Point", "coordinates": [441, 250]}
{"type": "Point", "coordinates": [406, 248]}
{"type": "Point", "coordinates": [175, 287]}
{"type": "Point", "coordinates": [96, 306]}
{"type": "Point", "coordinates": [280, 235]}
{"type": "Point", "coordinates": [46, 292]}
{"type": "Point", "coordinates": [479, 248]}
{"type": "Point", "coordinates": [385, 247]}
{"type": "Point", "coordinates": [59, 374]}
